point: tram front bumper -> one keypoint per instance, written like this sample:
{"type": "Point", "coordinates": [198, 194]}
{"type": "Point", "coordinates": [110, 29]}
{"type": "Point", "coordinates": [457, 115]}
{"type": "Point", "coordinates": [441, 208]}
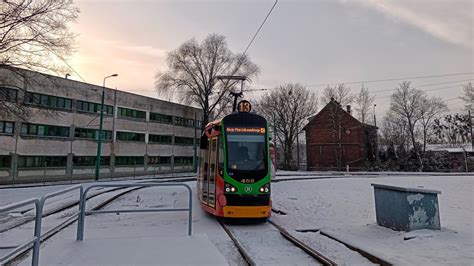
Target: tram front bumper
{"type": "Point", "coordinates": [247, 211]}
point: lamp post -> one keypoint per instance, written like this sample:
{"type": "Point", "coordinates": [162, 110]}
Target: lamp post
{"type": "Point", "coordinates": [99, 141]}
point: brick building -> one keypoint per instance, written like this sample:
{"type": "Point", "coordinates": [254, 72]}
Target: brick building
{"type": "Point", "coordinates": [334, 139]}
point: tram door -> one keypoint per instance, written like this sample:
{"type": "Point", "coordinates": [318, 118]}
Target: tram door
{"type": "Point", "coordinates": [204, 169]}
{"type": "Point", "coordinates": [212, 172]}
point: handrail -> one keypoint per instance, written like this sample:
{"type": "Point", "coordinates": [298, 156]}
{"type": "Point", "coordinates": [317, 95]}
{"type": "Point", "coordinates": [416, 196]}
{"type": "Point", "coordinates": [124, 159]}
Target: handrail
{"type": "Point", "coordinates": [35, 240]}
{"type": "Point", "coordinates": [82, 205]}
{"type": "Point", "coordinates": [38, 222]}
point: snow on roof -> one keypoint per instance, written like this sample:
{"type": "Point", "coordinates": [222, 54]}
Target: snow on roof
{"type": "Point", "coordinates": [448, 148]}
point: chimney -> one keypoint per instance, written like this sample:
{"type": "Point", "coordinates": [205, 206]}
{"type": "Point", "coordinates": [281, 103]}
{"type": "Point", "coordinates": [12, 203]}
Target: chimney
{"type": "Point", "coordinates": [348, 109]}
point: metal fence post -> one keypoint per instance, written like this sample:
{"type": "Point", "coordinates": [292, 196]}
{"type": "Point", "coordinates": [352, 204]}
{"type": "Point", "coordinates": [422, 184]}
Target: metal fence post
{"type": "Point", "coordinates": [81, 218]}
{"type": "Point", "coordinates": [37, 243]}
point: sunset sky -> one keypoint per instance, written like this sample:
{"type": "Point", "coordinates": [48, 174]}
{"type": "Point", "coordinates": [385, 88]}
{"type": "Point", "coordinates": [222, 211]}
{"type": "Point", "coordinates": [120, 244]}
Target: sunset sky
{"type": "Point", "coordinates": [311, 42]}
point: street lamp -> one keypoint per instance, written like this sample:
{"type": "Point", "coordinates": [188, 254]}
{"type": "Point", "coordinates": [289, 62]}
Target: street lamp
{"type": "Point", "coordinates": [99, 142]}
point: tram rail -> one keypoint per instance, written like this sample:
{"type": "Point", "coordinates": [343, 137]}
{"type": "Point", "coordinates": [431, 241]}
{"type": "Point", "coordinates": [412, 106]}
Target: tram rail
{"type": "Point", "coordinates": [319, 257]}
{"type": "Point", "coordinates": [71, 219]}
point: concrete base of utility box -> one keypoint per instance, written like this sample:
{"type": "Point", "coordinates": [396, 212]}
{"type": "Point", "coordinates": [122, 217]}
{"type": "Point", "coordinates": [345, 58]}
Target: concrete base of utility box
{"type": "Point", "coordinates": [406, 209]}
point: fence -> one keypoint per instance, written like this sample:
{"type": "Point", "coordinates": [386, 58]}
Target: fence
{"type": "Point", "coordinates": [80, 215]}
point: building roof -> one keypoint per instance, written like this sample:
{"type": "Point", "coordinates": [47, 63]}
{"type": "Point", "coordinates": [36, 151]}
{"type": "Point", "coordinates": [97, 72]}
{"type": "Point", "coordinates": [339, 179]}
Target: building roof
{"type": "Point", "coordinates": [336, 104]}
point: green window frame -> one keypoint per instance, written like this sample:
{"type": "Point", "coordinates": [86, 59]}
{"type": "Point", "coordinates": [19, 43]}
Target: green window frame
{"type": "Point", "coordinates": [8, 94]}
{"type": "Point", "coordinates": [185, 141]}
{"type": "Point", "coordinates": [159, 160]}
{"type": "Point", "coordinates": [42, 161]}
{"type": "Point", "coordinates": [130, 136]}
{"type": "Point", "coordinates": [184, 122]}
{"type": "Point", "coordinates": [129, 160]}
{"type": "Point", "coordinates": [183, 160]}
{"type": "Point", "coordinates": [90, 160]}
{"type": "Point", "coordinates": [160, 139]}
{"type": "Point", "coordinates": [5, 161]}
{"type": "Point", "coordinates": [90, 107]}
{"type": "Point", "coordinates": [48, 100]}
{"type": "Point", "coordinates": [91, 133]}
{"type": "Point", "coordinates": [28, 129]}
{"type": "Point", "coordinates": [125, 112]}
{"type": "Point", "coordinates": [161, 118]}
{"type": "Point", "coordinates": [7, 127]}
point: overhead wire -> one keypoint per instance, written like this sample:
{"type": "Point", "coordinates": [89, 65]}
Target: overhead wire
{"type": "Point", "coordinates": [388, 79]}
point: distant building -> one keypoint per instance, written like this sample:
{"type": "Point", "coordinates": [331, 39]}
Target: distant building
{"type": "Point", "coordinates": [335, 139]}
{"type": "Point", "coordinates": [142, 135]}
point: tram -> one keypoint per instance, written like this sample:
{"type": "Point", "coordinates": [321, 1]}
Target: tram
{"type": "Point", "coordinates": [234, 173]}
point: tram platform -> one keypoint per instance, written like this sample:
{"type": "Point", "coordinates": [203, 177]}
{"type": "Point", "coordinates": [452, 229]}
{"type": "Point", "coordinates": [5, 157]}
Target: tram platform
{"type": "Point", "coordinates": [182, 250]}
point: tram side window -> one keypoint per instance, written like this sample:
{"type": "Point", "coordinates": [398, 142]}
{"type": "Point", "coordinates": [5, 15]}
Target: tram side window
{"type": "Point", "coordinates": [221, 156]}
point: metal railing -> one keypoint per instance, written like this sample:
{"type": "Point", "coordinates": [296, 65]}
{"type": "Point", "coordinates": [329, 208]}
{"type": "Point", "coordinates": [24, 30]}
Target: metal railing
{"type": "Point", "coordinates": [82, 204]}
{"type": "Point", "coordinates": [39, 205]}
{"type": "Point", "coordinates": [80, 214]}
{"type": "Point", "coordinates": [36, 237]}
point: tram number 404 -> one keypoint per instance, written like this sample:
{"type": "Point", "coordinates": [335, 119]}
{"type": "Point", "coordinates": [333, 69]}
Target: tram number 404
{"type": "Point", "coordinates": [248, 180]}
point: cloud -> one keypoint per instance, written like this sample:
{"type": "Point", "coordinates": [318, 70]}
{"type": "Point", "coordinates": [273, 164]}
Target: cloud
{"type": "Point", "coordinates": [450, 21]}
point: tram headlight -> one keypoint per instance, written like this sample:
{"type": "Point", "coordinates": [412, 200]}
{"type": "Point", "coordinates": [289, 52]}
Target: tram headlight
{"type": "Point", "coordinates": [228, 188]}
{"type": "Point", "coordinates": [265, 188]}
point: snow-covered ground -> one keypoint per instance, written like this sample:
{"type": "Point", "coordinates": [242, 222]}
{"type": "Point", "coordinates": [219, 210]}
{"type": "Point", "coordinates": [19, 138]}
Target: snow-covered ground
{"type": "Point", "coordinates": [342, 207]}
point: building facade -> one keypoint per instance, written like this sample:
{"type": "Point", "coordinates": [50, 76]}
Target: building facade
{"type": "Point", "coordinates": [335, 140]}
{"type": "Point", "coordinates": [56, 139]}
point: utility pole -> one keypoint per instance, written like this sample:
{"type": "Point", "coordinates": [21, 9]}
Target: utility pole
{"type": "Point", "coordinates": [99, 141]}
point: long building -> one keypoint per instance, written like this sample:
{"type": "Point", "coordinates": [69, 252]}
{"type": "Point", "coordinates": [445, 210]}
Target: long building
{"type": "Point", "coordinates": [56, 137]}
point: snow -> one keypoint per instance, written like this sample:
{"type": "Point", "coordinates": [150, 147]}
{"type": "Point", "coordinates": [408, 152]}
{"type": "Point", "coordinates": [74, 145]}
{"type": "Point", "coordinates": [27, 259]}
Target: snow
{"type": "Point", "coordinates": [344, 208]}
{"type": "Point", "coordinates": [337, 205]}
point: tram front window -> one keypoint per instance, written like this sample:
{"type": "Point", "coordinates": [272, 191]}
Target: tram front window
{"type": "Point", "coordinates": [246, 155]}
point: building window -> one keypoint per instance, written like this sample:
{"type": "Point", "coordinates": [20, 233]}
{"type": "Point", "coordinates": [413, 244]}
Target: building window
{"type": "Point", "coordinates": [90, 133]}
{"type": "Point", "coordinates": [183, 160]}
{"type": "Point", "coordinates": [5, 161]}
{"type": "Point", "coordinates": [42, 161]}
{"type": "Point", "coordinates": [130, 136]}
{"type": "Point", "coordinates": [184, 122]}
{"type": "Point", "coordinates": [89, 160]}
{"type": "Point", "coordinates": [8, 94]}
{"type": "Point", "coordinates": [7, 127]}
{"type": "Point", "coordinates": [162, 139]}
{"type": "Point", "coordinates": [44, 130]}
{"type": "Point", "coordinates": [48, 100]}
{"type": "Point", "coordinates": [183, 141]}
{"type": "Point", "coordinates": [159, 160]}
{"type": "Point", "coordinates": [125, 112]}
{"type": "Point", "coordinates": [129, 160]}
{"type": "Point", "coordinates": [161, 118]}
{"type": "Point", "coordinates": [90, 107]}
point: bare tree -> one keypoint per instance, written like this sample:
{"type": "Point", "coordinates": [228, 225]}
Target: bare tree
{"type": "Point", "coordinates": [340, 93]}
{"type": "Point", "coordinates": [32, 35]}
{"type": "Point", "coordinates": [394, 130]}
{"type": "Point", "coordinates": [193, 68]}
{"type": "Point", "coordinates": [363, 102]}
{"type": "Point", "coordinates": [452, 129]}
{"type": "Point", "coordinates": [430, 108]}
{"type": "Point", "coordinates": [288, 107]}
{"type": "Point", "coordinates": [468, 97]}
{"type": "Point", "coordinates": [407, 104]}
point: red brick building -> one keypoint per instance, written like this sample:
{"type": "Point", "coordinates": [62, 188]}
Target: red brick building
{"type": "Point", "coordinates": [334, 139]}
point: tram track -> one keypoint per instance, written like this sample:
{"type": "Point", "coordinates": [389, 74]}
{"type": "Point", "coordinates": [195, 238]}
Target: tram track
{"type": "Point", "coordinates": [251, 258]}
{"type": "Point", "coordinates": [73, 218]}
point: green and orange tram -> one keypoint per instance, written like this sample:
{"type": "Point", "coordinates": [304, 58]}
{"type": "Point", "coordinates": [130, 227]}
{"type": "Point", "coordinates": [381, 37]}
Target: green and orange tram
{"type": "Point", "coordinates": [234, 171]}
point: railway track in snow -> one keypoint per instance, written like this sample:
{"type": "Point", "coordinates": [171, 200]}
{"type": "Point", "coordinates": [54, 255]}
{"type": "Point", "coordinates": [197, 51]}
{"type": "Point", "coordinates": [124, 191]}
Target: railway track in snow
{"type": "Point", "coordinates": [65, 215]}
{"type": "Point", "coordinates": [271, 244]}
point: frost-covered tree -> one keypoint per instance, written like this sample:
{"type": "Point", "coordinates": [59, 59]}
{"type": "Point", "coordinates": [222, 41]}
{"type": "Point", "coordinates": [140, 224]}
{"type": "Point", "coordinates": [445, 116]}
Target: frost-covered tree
{"type": "Point", "coordinates": [340, 93]}
{"type": "Point", "coordinates": [363, 103]}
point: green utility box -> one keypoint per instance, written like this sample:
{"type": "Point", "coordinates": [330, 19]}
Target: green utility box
{"type": "Point", "coordinates": [406, 209]}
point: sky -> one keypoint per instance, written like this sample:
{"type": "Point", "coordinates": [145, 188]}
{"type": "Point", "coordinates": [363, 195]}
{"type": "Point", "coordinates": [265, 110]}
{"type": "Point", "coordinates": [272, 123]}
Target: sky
{"type": "Point", "coordinates": [310, 42]}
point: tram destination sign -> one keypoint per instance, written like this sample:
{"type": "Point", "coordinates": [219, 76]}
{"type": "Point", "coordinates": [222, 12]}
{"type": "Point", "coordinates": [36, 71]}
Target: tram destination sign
{"type": "Point", "coordinates": [254, 130]}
